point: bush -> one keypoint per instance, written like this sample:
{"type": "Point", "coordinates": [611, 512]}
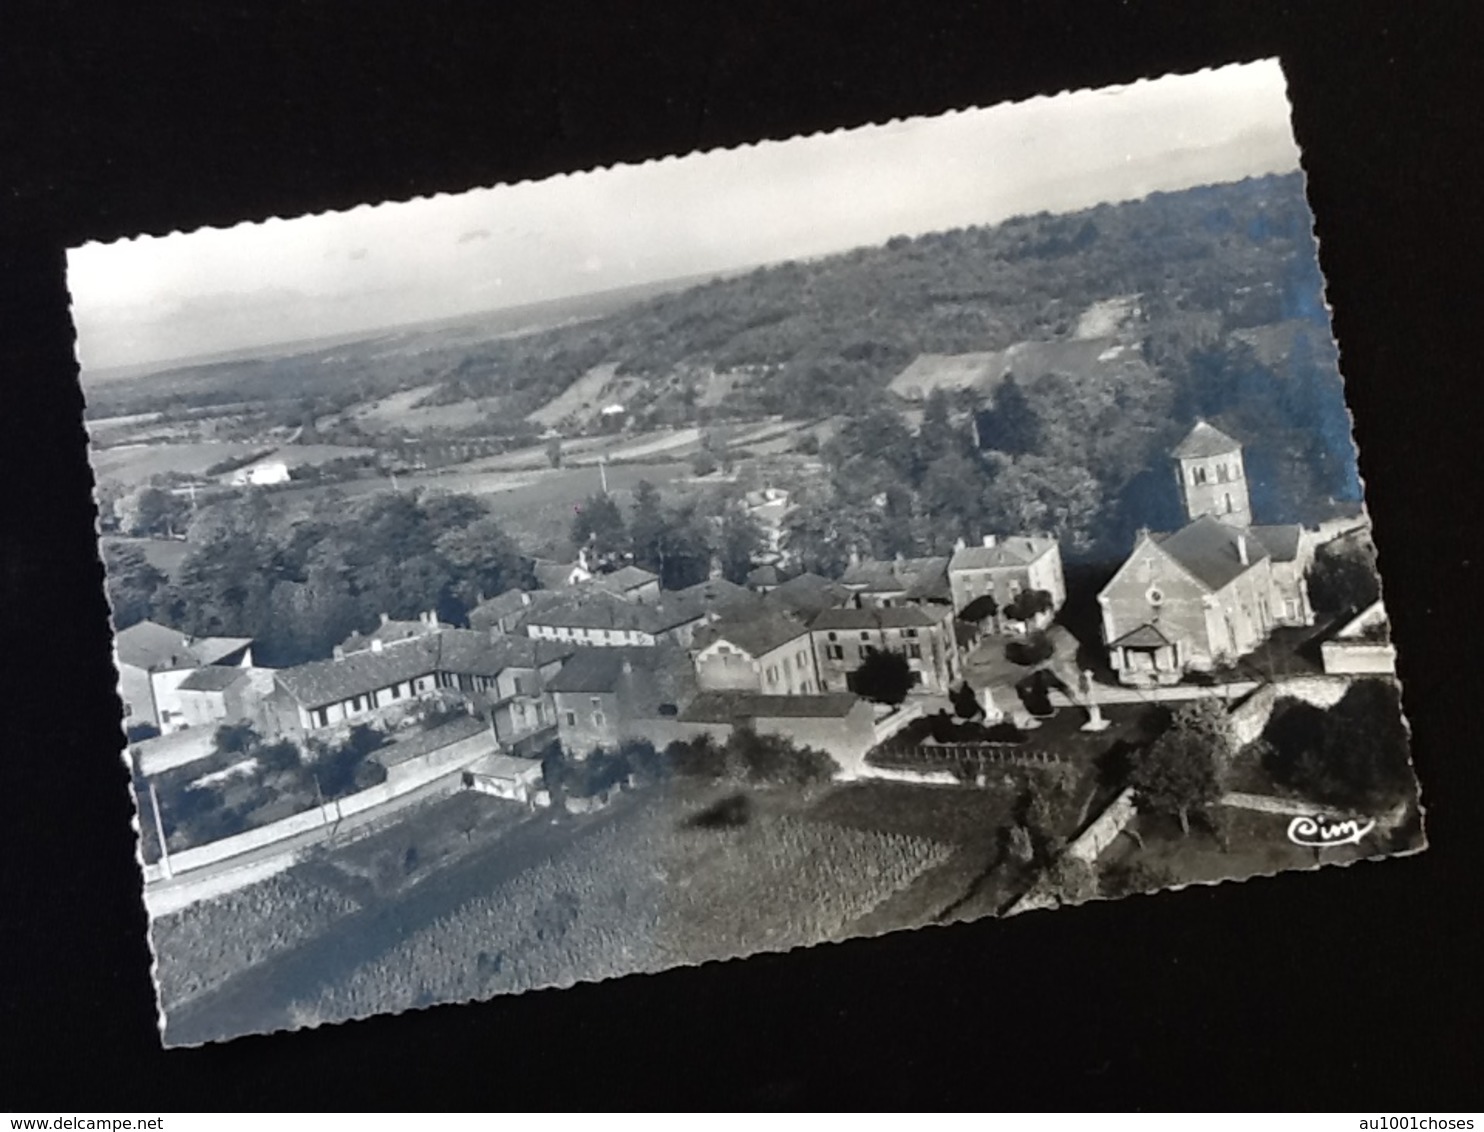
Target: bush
{"type": "Point", "coordinates": [1034, 649]}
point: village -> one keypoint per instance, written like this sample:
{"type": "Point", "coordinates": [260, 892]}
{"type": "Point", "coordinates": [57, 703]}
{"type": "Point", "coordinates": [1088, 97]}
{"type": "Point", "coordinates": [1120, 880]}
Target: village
{"type": "Point", "coordinates": [932, 672]}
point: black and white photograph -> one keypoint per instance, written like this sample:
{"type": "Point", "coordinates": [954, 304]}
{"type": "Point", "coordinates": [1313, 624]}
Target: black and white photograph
{"type": "Point", "coordinates": [951, 518]}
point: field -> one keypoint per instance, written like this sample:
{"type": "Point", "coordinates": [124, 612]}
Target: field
{"type": "Point", "coordinates": [134, 464]}
{"type": "Point", "coordinates": [641, 894]}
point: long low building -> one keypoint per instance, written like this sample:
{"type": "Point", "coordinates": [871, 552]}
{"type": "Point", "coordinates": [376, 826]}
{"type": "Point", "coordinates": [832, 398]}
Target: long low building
{"type": "Point", "coordinates": [840, 724]}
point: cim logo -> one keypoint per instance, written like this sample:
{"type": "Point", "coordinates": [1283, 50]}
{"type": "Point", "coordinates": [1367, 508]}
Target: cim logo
{"type": "Point", "coordinates": [1319, 833]}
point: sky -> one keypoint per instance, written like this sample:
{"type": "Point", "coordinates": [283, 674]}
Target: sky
{"type": "Point", "coordinates": [216, 290]}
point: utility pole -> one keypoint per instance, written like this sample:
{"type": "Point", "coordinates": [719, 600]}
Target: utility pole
{"type": "Point", "coordinates": [154, 799]}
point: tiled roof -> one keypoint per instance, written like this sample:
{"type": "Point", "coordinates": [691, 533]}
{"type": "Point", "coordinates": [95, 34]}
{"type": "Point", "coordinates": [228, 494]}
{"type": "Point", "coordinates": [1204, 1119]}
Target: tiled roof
{"type": "Point", "coordinates": [1211, 551]}
{"type": "Point", "coordinates": [726, 707]}
{"type": "Point", "coordinates": [499, 607]}
{"type": "Point", "coordinates": [508, 767]}
{"type": "Point", "coordinates": [1018, 551]}
{"type": "Point", "coordinates": [458, 651]}
{"type": "Point", "coordinates": [598, 609]}
{"type": "Point", "coordinates": [625, 578]}
{"type": "Point", "coordinates": [420, 743]}
{"type": "Point", "coordinates": [808, 594]}
{"type": "Point", "coordinates": [1205, 440]}
{"type": "Point", "coordinates": [766, 575]}
{"type": "Point", "coordinates": [643, 678]}
{"type": "Point", "coordinates": [1282, 542]}
{"type": "Point", "coordinates": [156, 648]}
{"type": "Point", "coordinates": [390, 632]}
{"type": "Point", "coordinates": [892, 617]}
{"type": "Point", "coordinates": [716, 595]}
{"type": "Point", "coordinates": [754, 634]}
{"type": "Point", "coordinates": [213, 678]}
{"type": "Point", "coordinates": [927, 576]}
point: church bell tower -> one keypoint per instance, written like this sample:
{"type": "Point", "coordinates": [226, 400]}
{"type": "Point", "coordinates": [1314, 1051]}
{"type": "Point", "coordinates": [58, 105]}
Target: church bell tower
{"type": "Point", "coordinates": [1208, 466]}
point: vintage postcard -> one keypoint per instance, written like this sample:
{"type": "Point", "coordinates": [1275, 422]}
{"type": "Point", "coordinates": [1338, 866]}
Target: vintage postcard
{"type": "Point", "coordinates": [673, 562]}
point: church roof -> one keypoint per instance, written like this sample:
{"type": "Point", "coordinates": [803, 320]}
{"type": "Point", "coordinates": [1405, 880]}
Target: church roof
{"type": "Point", "coordinates": [1282, 541]}
{"type": "Point", "coordinates": [1205, 440]}
{"type": "Point", "coordinates": [1211, 551]}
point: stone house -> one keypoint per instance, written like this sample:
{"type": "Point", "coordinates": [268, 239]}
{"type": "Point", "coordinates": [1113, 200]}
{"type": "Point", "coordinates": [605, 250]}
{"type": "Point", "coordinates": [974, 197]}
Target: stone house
{"type": "Point", "coordinates": [899, 581]}
{"type": "Point", "coordinates": [768, 653]}
{"type": "Point", "coordinates": [605, 696]}
{"type": "Point", "coordinates": [1003, 569]}
{"type": "Point", "coordinates": [840, 724]}
{"type": "Point", "coordinates": [153, 660]}
{"type": "Point", "coordinates": [842, 638]}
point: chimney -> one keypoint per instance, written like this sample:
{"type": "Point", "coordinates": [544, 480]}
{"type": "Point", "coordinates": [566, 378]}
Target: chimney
{"type": "Point", "coordinates": [959, 544]}
{"type": "Point", "coordinates": [377, 644]}
{"type": "Point", "coordinates": [525, 598]}
{"type": "Point", "coordinates": [855, 556]}
{"type": "Point", "coordinates": [989, 541]}
{"type": "Point", "coordinates": [1242, 549]}
{"type": "Point", "coordinates": [628, 667]}
{"type": "Point", "coordinates": [339, 653]}
{"type": "Point", "coordinates": [385, 617]}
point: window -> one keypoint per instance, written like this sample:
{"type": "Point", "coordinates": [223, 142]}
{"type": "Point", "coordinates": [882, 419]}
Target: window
{"type": "Point", "coordinates": [1221, 473]}
{"type": "Point", "coordinates": [322, 717]}
{"type": "Point", "coordinates": [396, 691]}
{"type": "Point", "coordinates": [772, 675]}
{"type": "Point", "coordinates": [836, 652]}
{"type": "Point", "coordinates": [1155, 595]}
{"type": "Point", "coordinates": [1228, 503]}
{"type": "Point", "coordinates": [865, 636]}
{"type": "Point", "coordinates": [834, 636]}
{"type": "Point", "coordinates": [1199, 475]}
{"type": "Point", "coordinates": [571, 717]}
{"type": "Point", "coordinates": [914, 651]}
{"type": "Point", "coordinates": [910, 634]}
{"type": "Point", "coordinates": [596, 701]}
{"type": "Point", "coordinates": [598, 720]}
{"type": "Point", "coordinates": [520, 686]}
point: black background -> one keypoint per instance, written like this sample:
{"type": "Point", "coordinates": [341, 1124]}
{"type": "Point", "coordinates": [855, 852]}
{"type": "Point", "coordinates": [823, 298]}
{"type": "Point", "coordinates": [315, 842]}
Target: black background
{"type": "Point", "coordinates": [1356, 988]}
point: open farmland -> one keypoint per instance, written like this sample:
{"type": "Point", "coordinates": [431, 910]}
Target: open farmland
{"type": "Point", "coordinates": [641, 894]}
{"type": "Point", "coordinates": [135, 464]}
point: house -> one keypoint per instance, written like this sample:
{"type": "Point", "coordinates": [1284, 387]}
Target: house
{"type": "Point", "coordinates": [559, 575]}
{"type": "Point", "coordinates": [154, 660]}
{"type": "Point", "coordinates": [605, 620]}
{"type": "Point", "coordinates": [1001, 569]}
{"type": "Point", "coordinates": [1213, 591]}
{"type": "Point", "coordinates": [606, 696]}
{"type": "Point", "coordinates": [765, 578]}
{"type": "Point", "coordinates": [768, 652]}
{"type": "Point", "coordinates": [631, 583]}
{"type": "Point", "coordinates": [503, 675]}
{"type": "Point", "coordinates": [217, 694]}
{"type": "Point", "coordinates": [841, 724]}
{"type": "Point", "coordinates": [1362, 646]}
{"type": "Point", "coordinates": [501, 613]}
{"type": "Point", "coordinates": [258, 475]}
{"type": "Point", "coordinates": [843, 638]}
{"type": "Point", "coordinates": [391, 632]}
{"type": "Point", "coordinates": [506, 776]}
{"type": "Point", "coordinates": [909, 581]}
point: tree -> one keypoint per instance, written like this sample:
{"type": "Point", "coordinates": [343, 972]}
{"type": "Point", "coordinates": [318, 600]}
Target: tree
{"type": "Point", "coordinates": [599, 526]}
{"type": "Point", "coordinates": [1359, 759]}
{"type": "Point", "coordinates": [1010, 425]}
{"type": "Point", "coordinates": [1180, 771]}
{"type": "Point", "coordinates": [980, 610]}
{"type": "Point", "coordinates": [739, 540]}
{"type": "Point", "coordinates": [1028, 605]}
{"type": "Point", "coordinates": [236, 739]}
{"type": "Point", "coordinates": [132, 583]}
{"type": "Point", "coordinates": [153, 512]}
{"type": "Point", "coordinates": [884, 677]}
{"type": "Point", "coordinates": [966, 704]}
{"type": "Point", "coordinates": [1343, 579]}
{"type": "Point", "coordinates": [647, 528]}
{"type": "Point", "coordinates": [1071, 880]}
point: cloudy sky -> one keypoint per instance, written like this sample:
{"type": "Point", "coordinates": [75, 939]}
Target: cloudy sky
{"type": "Point", "coordinates": [214, 290]}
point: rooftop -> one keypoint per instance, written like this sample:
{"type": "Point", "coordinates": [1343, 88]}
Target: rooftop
{"type": "Point", "coordinates": [626, 578]}
{"type": "Point", "coordinates": [1019, 550]}
{"type": "Point", "coordinates": [158, 648]}
{"type": "Point", "coordinates": [1212, 551]}
{"type": "Point", "coordinates": [808, 594]}
{"type": "Point", "coordinates": [755, 634]}
{"type": "Point", "coordinates": [419, 743]}
{"type": "Point", "coordinates": [1282, 542]}
{"type": "Point", "coordinates": [1205, 440]}
{"type": "Point", "coordinates": [213, 678]}
{"type": "Point", "coordinates": [599, 609]}
{"type": "Point", "coordinates": [892, 617]}
{"type": "Point", "coordinates": [1145, 636]}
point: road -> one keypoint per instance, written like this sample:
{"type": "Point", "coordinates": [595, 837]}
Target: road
{"type": "Point", "coordinates": [216, 879]}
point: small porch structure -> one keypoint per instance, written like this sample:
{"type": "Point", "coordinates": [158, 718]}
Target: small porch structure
{"type": "Point", "coordinates": [1146, 657]}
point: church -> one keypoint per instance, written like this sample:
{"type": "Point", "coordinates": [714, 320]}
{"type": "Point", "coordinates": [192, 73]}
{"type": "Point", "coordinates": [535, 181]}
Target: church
{"type": "Point", "coordinates": [1213, 591]}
